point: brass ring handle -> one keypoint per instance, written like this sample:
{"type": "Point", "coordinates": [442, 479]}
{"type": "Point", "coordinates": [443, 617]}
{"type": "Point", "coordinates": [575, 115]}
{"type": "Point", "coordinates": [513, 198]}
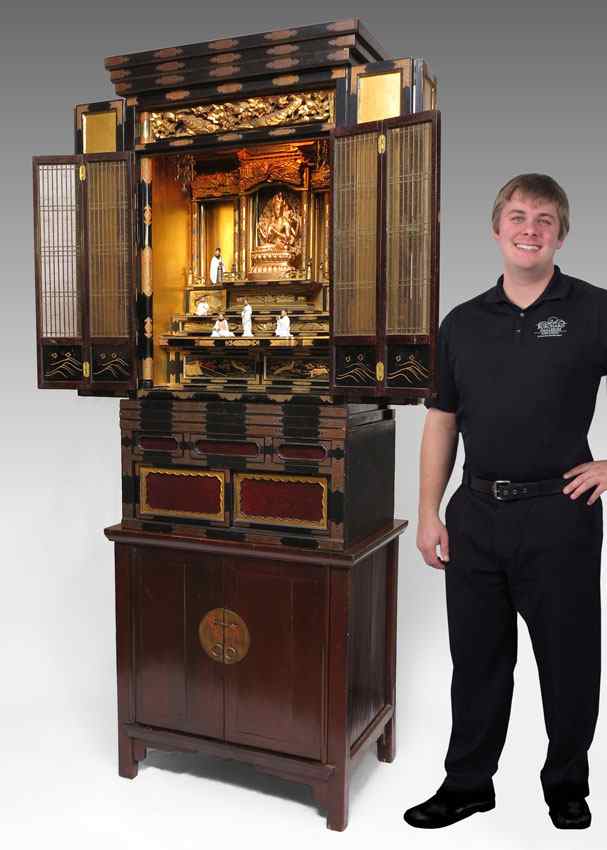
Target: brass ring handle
{"type": "Point", "coordinates": [212, 633]}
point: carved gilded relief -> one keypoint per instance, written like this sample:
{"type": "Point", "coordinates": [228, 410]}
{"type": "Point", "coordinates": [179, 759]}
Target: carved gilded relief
{"type": "Point", "coordinates": [246, 114]}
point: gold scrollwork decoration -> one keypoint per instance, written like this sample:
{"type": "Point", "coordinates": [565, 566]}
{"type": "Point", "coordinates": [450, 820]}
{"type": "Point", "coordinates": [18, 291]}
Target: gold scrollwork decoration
{"type": "Point", "coordinates": [247, 114]}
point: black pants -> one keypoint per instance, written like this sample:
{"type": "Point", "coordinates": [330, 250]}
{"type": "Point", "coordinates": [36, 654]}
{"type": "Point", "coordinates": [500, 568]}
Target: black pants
{"type": "Point", "coordinates": [541, 557]}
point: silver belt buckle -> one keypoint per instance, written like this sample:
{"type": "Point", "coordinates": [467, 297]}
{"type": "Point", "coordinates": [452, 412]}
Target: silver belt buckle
{"type": "Point", "coordinates": [494, 490]}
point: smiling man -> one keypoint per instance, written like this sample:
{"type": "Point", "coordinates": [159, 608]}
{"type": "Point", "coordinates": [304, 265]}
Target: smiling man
{"type": "Point", "coordinates": [519, 370]}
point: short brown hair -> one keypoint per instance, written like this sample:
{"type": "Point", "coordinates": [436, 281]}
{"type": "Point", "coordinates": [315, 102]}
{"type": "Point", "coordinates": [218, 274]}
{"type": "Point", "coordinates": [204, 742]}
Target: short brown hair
{"type": "Point", "coordinates": [539, 186]}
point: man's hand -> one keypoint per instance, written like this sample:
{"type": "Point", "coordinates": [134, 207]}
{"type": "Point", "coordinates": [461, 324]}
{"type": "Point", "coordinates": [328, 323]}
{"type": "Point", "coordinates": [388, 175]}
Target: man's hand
{"type": "Point", "coordinates": [431, 531]}
{"type": "Point", "coordinates": [586, 476]}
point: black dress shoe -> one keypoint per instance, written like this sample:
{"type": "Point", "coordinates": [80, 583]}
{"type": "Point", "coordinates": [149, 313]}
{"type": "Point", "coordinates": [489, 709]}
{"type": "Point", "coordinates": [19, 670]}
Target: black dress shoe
{"type": "Point", "coordinates": [570, 814]}
{"type": "Point", "coordinates": [447, 807]}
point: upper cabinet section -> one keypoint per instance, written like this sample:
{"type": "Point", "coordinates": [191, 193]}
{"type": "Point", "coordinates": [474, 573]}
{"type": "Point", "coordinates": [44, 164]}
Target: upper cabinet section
{"type": "Point", "coordinates": [250, 217]}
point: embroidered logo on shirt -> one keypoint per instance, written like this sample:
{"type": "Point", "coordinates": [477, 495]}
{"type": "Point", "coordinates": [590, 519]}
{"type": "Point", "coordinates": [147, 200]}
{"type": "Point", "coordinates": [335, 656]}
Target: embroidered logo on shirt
{"type": "Point", "coordinates": [552, 326]}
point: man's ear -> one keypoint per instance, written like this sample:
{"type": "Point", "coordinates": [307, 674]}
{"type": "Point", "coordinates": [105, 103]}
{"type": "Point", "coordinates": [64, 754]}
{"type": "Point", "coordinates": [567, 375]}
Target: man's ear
{"type": "Point", "coordinates": [495, 233]}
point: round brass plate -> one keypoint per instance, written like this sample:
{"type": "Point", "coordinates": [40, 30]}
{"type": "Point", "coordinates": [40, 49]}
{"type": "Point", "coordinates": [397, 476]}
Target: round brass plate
{"type": "Point", "coordinates": [224, 636]}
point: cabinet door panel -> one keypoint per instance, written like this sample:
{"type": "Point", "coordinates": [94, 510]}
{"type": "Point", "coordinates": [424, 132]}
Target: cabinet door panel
{"type": "Point", "coordinates": [275, 694]}
{"type": "Point", "coordinates": [85, 285]}
{"type": "Point", "coordinates": [58, 260]}
{"type": "Point", "coordinates": [177, 685]}
{"type": "Point", "coordinates": [355, 257]}
{"type": "Point", "coordinates": [411, 253]}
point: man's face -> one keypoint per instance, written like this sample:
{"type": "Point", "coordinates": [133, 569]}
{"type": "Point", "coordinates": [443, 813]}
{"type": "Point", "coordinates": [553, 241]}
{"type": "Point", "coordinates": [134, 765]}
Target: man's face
{"type": "Point", "coordinates": [528, 234]}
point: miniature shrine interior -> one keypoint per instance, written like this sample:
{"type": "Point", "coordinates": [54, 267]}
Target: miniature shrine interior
{"type": "Point", "coordinates": [266, 208]}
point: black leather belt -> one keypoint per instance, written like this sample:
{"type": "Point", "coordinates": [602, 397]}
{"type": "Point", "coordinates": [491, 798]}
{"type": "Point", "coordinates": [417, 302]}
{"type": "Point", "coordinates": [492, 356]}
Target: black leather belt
{"type": "Point", "coordinates": [505, 491]}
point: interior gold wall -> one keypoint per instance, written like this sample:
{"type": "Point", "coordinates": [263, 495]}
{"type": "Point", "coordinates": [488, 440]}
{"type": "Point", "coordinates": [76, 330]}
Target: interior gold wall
{"type": "Point", "coordinates": [170, 254]}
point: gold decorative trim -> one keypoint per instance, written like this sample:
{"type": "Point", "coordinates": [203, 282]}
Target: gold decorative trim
{"type": "Point", "coordinates": [341, 41]}
{"type": "Point", "coordinates": [181, 143]}
{"type": "Point", "coordinates": [147, 368]}
{"type": "Point", "coordinates": [239, 477]}
{"type": "Point", "coordinates": [181, 94]}
{"type": "Point", "coordinates": [223, 44]}
{"type": "Point", "coordinates": [122, 87]}
{"type": "Point", "coordinates": [145, 509]}
{"type": "Point", "coordinates": [168, 52]}
{"type": "Point", "coordinates": [116, 60]}
{"type": "Point", "coordinates": [247, 114]}
{"type": "Point", "coordinates": [336, 55]}
{"type": "Point", "coordinates": [147, 215]}
{"type": "Point", "coordinates": [285, 80]}
{"type": "Point", "coordinates": [282, 49]}
{"type": "Point", "coordinates": [229, 88]}
{"type": "Point", "coordinates": [146, 169]}
{"type": "Point", "coordinates": [132, 101]}
{"type": "Point", "coordinates": [279, 64]}
{"type": "Point", "coordinates": [338, 73]}
{"type": "Point", "coordinates": [121, 75]}
{"type": "Point", "coordinates": [339, 26]}
{"type": "Point", "coordinates": [225, 71]}
{"type": "Point", "coordinates": [146, 271]}
{"type": "Point", "coordinates": [148, 328]}
{"type": "Point", "coordinates": [170, 66]}
{"type": "Point", "coordinates": [169, 79]}
{"type": "Point", "coordinates": [282, 131]}
{"type": "Point", "coordinates": [277, 35]}
{"type": "Point", "coordinates": [229, 137]}
{"type": "Point", "coordinates": [225, 58]}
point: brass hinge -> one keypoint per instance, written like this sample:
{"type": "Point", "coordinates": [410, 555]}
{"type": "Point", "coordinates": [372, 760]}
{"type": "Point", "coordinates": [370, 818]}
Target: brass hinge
{"type": "Point", "coordinates": [381, 143]}
{"type": "Point", "coordinates": [82, 173]}
{"type": "Point", "coordinates": [86, 369]}
{"type": "Point", "coordinates": [379, 371]}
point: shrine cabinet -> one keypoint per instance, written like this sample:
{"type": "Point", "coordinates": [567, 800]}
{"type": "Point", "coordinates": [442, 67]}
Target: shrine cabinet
{"type": "Point", "coordinates": [244, 246]}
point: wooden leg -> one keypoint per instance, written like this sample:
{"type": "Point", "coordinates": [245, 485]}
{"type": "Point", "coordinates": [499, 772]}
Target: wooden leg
{"type": "Point", "coordinates": [320, 793]}
{"type": "Point", "coordinates": [337, 801]}
{"type": "Point", "coordinates": [127, 763]}
{"type": "Point", "coordinates": [140, 750]}
{"type": "Point", "coordinates": [386, 743]}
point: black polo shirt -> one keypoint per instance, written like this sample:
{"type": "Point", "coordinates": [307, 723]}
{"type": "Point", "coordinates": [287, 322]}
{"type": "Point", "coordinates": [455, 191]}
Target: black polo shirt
{"type": "Point", "coordinates": [523, 382]}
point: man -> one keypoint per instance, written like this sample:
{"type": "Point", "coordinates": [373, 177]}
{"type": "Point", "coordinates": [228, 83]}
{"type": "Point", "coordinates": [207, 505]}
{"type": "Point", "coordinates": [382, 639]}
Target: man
{"type": "Point", "coordinates": [519, 369]}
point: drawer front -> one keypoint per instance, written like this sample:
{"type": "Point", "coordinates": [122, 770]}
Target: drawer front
{"type": "Point", "coordinates": [299, 501]}
{"type": "Point", "coordinates": [181, 493]}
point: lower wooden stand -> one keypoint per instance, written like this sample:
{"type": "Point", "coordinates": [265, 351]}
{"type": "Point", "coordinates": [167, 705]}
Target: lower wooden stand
{"type": "Point", "coordinates": [278, 657]}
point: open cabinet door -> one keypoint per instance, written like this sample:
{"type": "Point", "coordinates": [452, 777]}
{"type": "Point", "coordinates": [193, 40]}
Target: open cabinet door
{"type": "Point", "coordinates": [356, 368]}
{"type": "Point", "coordinates": [410, 256]}
{"type": "Point", "coordinates": [85, 288]}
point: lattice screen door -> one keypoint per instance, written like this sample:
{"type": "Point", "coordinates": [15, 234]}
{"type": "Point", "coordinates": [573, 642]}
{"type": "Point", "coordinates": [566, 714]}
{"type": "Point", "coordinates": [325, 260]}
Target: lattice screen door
{"type": "Point", "coordinates": [83, 214]}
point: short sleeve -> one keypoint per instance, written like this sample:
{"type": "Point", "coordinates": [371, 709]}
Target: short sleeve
{"type": "Point", "coordinates": [447, 399]}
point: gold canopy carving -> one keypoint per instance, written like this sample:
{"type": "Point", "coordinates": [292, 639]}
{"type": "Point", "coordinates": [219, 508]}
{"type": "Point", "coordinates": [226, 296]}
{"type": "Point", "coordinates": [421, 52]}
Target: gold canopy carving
{"type": "Point", "coordinates": [285, 164]}
{"type": "Point", "coordinates": [247, 114]}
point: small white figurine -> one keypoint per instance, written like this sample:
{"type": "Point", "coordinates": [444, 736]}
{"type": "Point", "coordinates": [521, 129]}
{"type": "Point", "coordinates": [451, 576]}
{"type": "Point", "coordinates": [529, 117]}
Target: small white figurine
{"type": "Point", "coordinates": [246, 315]}
{"type": "Point", "coordinates": [202, 306]}
{"type": "Point", "coordinates": [283, 325]}
{"type": "Point", "coordinates": [216, 270]}
{"type": "Point", "coordinates": [221, 327]}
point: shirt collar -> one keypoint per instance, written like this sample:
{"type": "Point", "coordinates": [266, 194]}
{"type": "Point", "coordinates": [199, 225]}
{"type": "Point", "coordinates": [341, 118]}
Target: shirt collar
{"type": "Point", "coordinates": [558, 287]}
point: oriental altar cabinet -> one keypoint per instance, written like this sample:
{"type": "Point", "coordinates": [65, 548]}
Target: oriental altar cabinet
{"type": "Point", "coordinates": [244, 246]}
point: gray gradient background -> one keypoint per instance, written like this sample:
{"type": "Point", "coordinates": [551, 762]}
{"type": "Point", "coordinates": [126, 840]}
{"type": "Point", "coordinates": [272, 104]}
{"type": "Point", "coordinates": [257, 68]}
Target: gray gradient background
{"type": "Point", "coordinates": [522, 87]}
